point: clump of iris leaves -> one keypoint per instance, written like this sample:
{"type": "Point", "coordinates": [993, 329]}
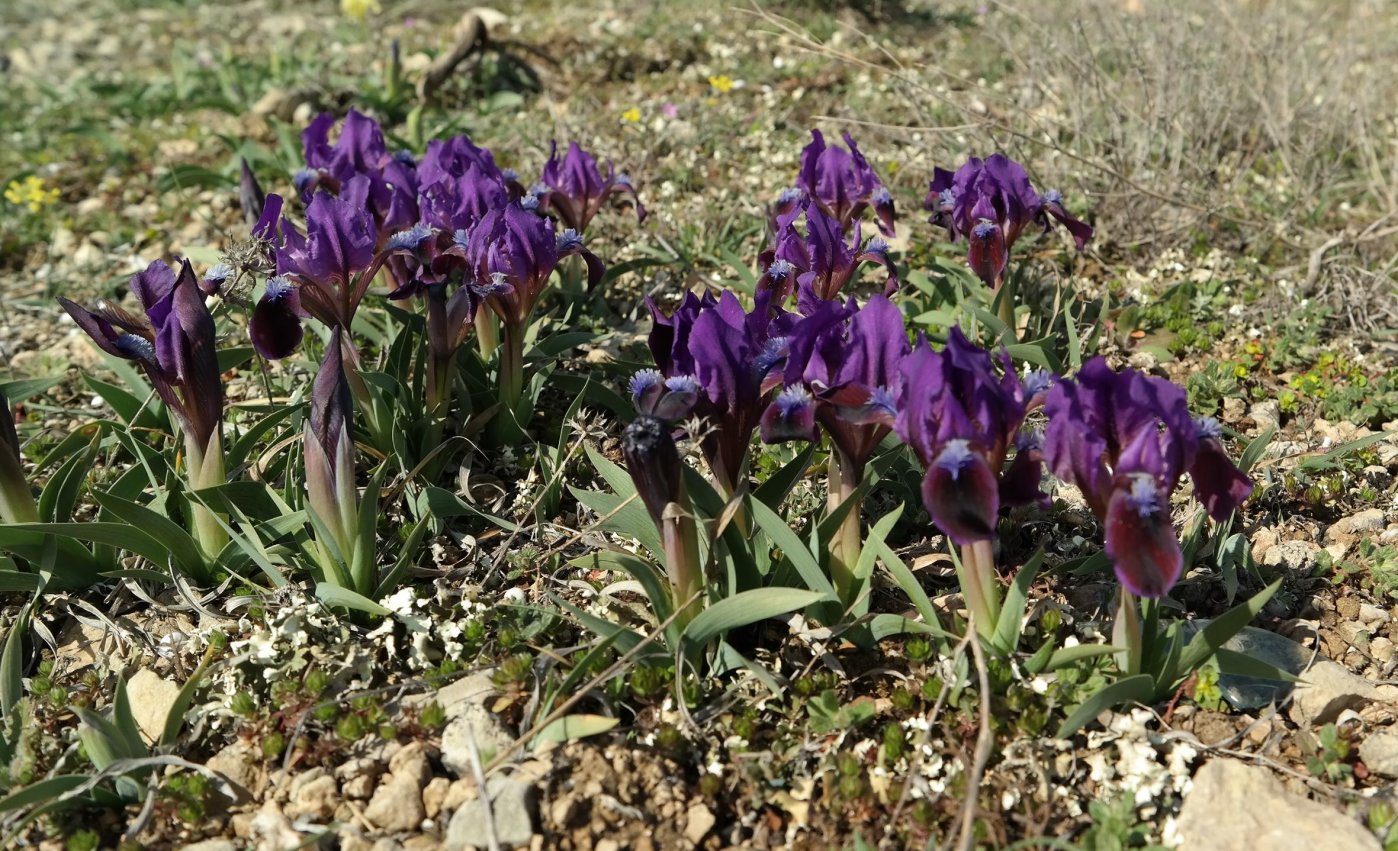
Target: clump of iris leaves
{"type": "Point", "coordinates": [966, 379]}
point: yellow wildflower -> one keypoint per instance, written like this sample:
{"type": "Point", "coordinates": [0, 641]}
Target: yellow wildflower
{"type": "Point", "coordinates": [722, 83]}
{"type": "Point", "coordinates": [631, 116]}
{"type": "Point", "coordinates": [30, 193]}
{"type": "Point", "coordinates": [360, 9]}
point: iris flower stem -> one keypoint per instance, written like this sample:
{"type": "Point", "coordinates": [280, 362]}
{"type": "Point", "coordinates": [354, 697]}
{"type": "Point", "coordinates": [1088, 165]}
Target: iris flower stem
{"type": "Point", "coordinates": [487, 336]}
{"type": "Point", "coordinates": [16, 500]}
{"type": "Point", "coordinates": [844, 477]}
{"type": "Point", "coordinates": [726, 488]}
{"type": "Point", "coordinates": [508, 430]}
{"type": "Point", "coordinates": [1126, 633]}
{"type": "Point", "coordinates": [680, 537]}
{"type": "Point", "coordinates": [205, 470]}
{"type": "Point", "coordinates": [979, 586]}
{"type": "Point", "coordinates": [1007, 305]}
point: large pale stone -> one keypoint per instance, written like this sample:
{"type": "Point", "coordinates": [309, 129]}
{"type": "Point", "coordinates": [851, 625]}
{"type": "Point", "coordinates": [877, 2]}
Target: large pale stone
{"type": "Point", "coordinates": [1233, 805]}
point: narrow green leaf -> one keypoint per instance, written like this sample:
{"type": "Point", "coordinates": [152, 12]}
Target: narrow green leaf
{"type": "Point", "coordinates": [1064, 656]}
{"type": "Point", "coordinates": [170, 535]}
{"type": "Point", "coordinates": [22, 389]}
{"type": "Point", "coordinates": [1137, 689]}
{"type": "Point", "coordinates": [1255, 448]}
{"type": "Point", "coordinates": [570, 728]}
{"type": "Point", "coordinates": [12, 665]}
{"type": "Point", "coordinates": [623, 516]}
{"type": "Point", "coordinates": [1336, 455]}
{"type": "Point", "coordinates": [174, 720]}
{"type": "Point", "coordinates": [906, 581]}
{"type": "Point", "coordinates": [42, 791]}
{"type": "Point", "coordinates": [885, 625]}
{"type": "Point", "coordinates": [1007, 628]}
{"type": "Point", "coordinates": [125, 721]}
{"type": "Point", "coordinates": [1242, 665]}
{"type": "Point", "coordinates": [234, 357]}
{"type": "Point", "coordinates": [1209, 639]}
{"type": "Point", "coordinates": [746, 608]}
{"type": "Point", "coordinates": [794, 550]}
{"type": "Point", "coordinates": [773, 491]}
{"type": "Point", "coordinates": [335, 595]}
{"type": "Point", "coordinates": [113, 534]}
{"type": "Point", "coordinates": [868, 554]}
{"type": "Point", "coordinates": [127, 407]}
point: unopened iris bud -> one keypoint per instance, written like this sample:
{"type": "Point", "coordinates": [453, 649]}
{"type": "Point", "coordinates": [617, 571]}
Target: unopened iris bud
{"type": "Point", "coordinates": [251, 198]}
{"type": "Point", "coordinates": [653, 461]}
{"type": "Point", "coordinates": [16, 499]}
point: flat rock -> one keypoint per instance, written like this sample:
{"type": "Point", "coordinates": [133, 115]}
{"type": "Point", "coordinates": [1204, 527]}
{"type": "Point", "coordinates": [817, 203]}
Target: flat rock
{"type": "Point", "coordinates": [211, 845]}
{"type": "Point", "coordinates": [511, 807]}
{"type": "Point", "coordinates": [463, 702]}
{"type": "Point", "coordinates": [1327, 689]}
{"type": "Point", "coordinates": [316, 798]}
{"type": "Point", "coordinates": [397, 805]}
{"type": "Point", "coordinates": [151, 698]}
{"type": "Point", "coordinates": [1380, 752]}
{"type": "Point", "coordinates": [1292, 555]}
{"type": "Point", "coordinates": [698, 822]}
{"type": "Point", "coordinates": [238, 763]}
{"type": "Point", "coordinates": [1233, 805]}
{"type": "Point", "coordinates": [1275, 650]}
{"type": "Point", "coordinates": [1367, 522]}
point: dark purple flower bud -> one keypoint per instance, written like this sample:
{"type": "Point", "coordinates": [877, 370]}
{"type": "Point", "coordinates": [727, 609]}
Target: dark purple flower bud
{"type": "Point", "coordinates": [328, 449]}
{"type": "Point", "coordinates": [791, 416]}
{"type": "Point", "coordinates": [576, 190]}
{"type": "Point", "coordinates": [251, 198]}
{"type": "Point", "coordinates": [16, 499]}
{"type": "Point", "coordinates": [1053, 206]}
{"type": "Point", "coordinates": [653, 461]}
{"type": "Point", "coordinates": [1020, 483]}
{"type": "Point", "coordinates": [882, 200]}
{"type": "Point", "coordinates": [841, 183]}
{"type": "Point", "coordinates": [275, 325]}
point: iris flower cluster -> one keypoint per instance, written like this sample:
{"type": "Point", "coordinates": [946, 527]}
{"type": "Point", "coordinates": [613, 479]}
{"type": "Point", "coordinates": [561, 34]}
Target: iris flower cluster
{"type": "Point", "coordinates": [847, 371]}
{"type": "Point", "coordinates": [453, 228]}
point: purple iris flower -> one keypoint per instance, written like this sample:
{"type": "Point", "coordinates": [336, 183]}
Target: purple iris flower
{"type": "Point", "coordinates": [961, 419]}
{"type": "Point", "coordinates": [173, 343]}
{"type": "Point", "coordinates": [842, 183]}
{"type": "Point", "coordinates": [510, 255]}
{"type": "Point", "coordinates": [573, 188]}
{"type": "Point", "coordinates": [1124, 439]}
{"type": "Point", "coordinates": [390, 186]}
{"type": "Point", "coordinates": [323, 274]}
{"type": "Point", "coordinates": [990, 202]}
{"type": "Point", "coordinates": [843, 369]}
{"type": "Point", "coordinates": [734, 359]}
{"type": "Point", "coordinates": [820, 263]}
